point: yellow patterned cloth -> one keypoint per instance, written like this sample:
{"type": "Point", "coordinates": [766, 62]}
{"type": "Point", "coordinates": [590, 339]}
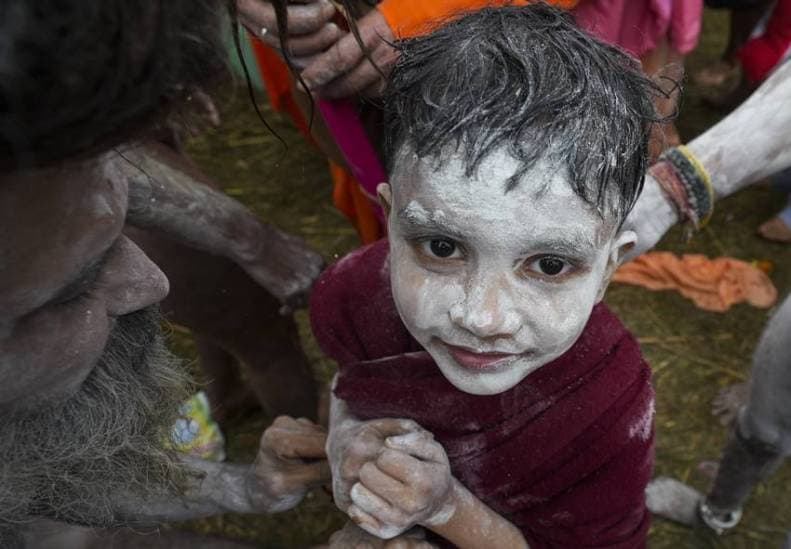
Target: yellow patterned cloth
{"type": "Point", "coordinates": [195, 432]}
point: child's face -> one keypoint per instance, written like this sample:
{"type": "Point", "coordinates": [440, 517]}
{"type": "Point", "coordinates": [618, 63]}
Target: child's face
{"type": "Point", "coordinates": [494, 285]}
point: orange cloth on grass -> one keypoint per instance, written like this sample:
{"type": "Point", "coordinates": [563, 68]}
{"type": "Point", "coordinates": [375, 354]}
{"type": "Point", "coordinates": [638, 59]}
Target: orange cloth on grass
{"type": "Point", "coordinates": [410, 18]}
{"type": "Point", "coordinates": [712, 284]}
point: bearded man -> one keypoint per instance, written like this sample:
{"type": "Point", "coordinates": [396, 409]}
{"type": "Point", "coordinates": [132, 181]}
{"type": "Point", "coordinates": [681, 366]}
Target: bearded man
{"type": "Point", "coordinates": [88, 391]}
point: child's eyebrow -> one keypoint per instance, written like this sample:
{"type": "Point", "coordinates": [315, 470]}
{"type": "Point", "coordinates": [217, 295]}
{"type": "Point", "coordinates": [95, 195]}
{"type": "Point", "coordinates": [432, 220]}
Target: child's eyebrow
{"type": "Point", "coordinates": [425, 222]}
{"type": "Point", "coordinates": [579, 244]}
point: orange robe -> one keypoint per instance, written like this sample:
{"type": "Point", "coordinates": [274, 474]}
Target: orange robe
{"type": "Point", "coordinates": [409, 18]}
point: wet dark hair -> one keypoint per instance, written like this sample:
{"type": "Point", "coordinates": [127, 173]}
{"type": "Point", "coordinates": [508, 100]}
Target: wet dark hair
{"type": "Point", "coordinates": [526, 78]}
{"type": "Point", "coordinates": [81, 75]}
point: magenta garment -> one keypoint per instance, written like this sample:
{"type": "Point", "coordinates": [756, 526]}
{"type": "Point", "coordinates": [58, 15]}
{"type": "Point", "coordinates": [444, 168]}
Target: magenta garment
{"type": "Point", "coordinates": [637, 26]}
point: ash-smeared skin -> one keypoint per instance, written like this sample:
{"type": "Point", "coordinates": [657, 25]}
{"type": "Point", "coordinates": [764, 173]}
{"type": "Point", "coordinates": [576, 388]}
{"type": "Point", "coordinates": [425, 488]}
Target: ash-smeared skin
{"type": "Point", "coordinates": [168, 194]}
{"type": "Point", "coordinates": [290, 461]}
{"type": "Point", "coordinates": [409, 483]}
{"type": "Point", "coordinates": [390, 475]}
{"type": "Point", "coordinates": [53, 224]}
{"type": "Point", "coordinates": [68, 276]}
{"type": "Point", "coordinates": [491, 300]}
{"type": "Point", "coordinates": [749, 144]}
{"type": "Point", "coordinates": [672, 499]}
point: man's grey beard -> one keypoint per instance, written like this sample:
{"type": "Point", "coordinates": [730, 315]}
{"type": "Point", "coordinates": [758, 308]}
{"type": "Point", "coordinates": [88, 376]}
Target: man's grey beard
{"type": "Point", "coordinates": [70, 460]}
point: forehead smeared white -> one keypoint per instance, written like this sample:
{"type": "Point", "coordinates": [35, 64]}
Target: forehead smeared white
{"type": "Point", "coordinates": [500, 167]}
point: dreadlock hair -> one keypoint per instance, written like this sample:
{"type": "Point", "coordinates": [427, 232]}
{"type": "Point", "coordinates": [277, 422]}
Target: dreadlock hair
{"type": "Point", "coordinates": [82, 75]}
{"type": "Point", "coordinates": [525, 78]}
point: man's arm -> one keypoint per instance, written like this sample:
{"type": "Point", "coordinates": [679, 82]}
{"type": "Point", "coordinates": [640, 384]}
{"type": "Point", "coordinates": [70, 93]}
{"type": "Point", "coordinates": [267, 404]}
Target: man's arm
{"type": "Point", "coordinates": [212, 489]}
{"type": "Point", "coordinates": [170, 195]}
{"type": "Point", "coordinates": [752, 142]}
{"type": "Point", "coordinates": [290, 461]}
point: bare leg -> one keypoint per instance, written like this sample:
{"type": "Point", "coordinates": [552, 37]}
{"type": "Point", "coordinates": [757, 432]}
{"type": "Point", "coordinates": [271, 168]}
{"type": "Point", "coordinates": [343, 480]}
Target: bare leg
{"type": "Point", "coordinates": [726, 71]}
{"type": "Point", "coordinates": [221, 303]}
{"type": "Point", "coordinates": [228, 395]}
{"type": "Point", "coordinates": [729, 401]}
{"type": "Point", "coordinates": [760, 439]}
{"type": "Point", "coordinates": [742, 24]}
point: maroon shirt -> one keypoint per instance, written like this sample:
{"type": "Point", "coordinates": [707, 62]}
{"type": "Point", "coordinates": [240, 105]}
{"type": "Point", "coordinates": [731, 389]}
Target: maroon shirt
{"type": "Point", "coordinates": [565, 455]}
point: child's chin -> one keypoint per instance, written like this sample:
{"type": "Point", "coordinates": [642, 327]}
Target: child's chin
{"type": "Point", "coordinates": [485, 381]}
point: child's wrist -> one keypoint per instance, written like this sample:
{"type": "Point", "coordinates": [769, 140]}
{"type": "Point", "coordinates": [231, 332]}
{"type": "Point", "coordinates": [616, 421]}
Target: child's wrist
{"type": "Point", "coordinates": [448, 509]}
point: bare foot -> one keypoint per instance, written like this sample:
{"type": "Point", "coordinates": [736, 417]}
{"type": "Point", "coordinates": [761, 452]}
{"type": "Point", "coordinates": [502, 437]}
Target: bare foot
{"type": "Point", "coordinates": [727, 98]}
{"type": "Point", "coordinates": [672, 499]}
{"type": "Point", "coordinates": [729, 401]}
{"type": "Point", "coordinates": [775, 230]}
{"type": "Point", "coordinates": [716, 74]}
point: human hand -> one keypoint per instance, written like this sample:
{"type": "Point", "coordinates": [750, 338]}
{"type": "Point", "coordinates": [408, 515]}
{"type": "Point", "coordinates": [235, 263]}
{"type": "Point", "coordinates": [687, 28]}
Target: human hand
{"type": "Point", "coordinates": [408, 483]}
{"type": "Point", "coordinates": [344, 70]}
{"type": "Point", "coordinates": [310, 26]}
{"type": "Point", "coordinates": [353, 537]}
{"type": "Point", "coordinates": [351, 444]}
{"type": "Point", "coordinates": [290, 461]}
{"type": "Point", "coordinates": [652, 216]}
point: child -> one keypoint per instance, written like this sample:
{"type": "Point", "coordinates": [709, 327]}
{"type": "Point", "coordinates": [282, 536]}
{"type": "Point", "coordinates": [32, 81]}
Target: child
{"type": "Point", "coordinates": [521, 408]}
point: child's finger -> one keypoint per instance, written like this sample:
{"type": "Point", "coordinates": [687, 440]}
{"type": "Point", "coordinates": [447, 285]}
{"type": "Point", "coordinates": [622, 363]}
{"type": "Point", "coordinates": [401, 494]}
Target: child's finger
{"type": "Point", "coordinates": [362, 519]}
{"type": "Point", "coordinates": [420, 444]}
{"type": "Point", "coordinates": [400, 466]}
{"type": "Point", "coordinates": [382, 484]}
{"type": "Point", "coordinates": [377, 507]}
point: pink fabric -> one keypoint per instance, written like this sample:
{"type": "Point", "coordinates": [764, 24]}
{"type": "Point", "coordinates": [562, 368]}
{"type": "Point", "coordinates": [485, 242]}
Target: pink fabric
{"type": "Point", "coordinates": [349, 134]}
{"type": "Point", "coordinates": [638, 26]}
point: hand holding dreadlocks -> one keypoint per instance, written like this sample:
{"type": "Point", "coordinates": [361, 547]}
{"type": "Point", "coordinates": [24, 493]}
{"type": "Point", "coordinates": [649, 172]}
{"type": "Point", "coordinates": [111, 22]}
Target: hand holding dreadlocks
{"type": "Point", "coordinates": [310, 27]}
{"type": "Point", "coordinates": [354, 64]}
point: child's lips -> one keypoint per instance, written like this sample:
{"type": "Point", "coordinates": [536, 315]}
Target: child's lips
{"type": "Point", "coordinates": [474, 360]}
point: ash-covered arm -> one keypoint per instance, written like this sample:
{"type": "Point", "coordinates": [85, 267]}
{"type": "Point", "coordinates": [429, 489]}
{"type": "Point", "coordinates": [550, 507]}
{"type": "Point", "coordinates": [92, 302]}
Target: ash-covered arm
{"type": "Point", "coordinates": [472, 524]}
{"type": "Point", "coordinates": [212, 489]}
{"type": "Point", "coordinates": [168, 194]}
{"type": "Point", "coordinates": [290, 461]}
{"type": "Point", "coordinates": [752, 142]}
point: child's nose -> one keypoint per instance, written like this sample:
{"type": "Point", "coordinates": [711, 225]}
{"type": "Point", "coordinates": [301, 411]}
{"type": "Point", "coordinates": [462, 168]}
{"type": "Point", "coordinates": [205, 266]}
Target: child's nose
{"type": "Point", "coordinates": [487, 310]}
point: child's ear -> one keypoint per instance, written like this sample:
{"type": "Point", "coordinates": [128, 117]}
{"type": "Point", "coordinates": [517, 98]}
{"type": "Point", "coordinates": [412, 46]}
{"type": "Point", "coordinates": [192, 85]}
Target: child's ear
{"type": "Point", "coordinates": [385, 195]}
{"type": "Point", "coordinates": [622, 243]}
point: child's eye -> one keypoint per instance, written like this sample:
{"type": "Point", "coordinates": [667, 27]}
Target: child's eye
{"type": "Point", "coordinates": [442, 248]}
{"type": "Point", "coordinates": [548, 265]}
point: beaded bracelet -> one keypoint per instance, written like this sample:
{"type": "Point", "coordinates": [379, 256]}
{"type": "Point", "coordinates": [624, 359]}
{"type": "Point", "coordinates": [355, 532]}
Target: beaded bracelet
{"type": "Point", "coordinates": [686, 183]}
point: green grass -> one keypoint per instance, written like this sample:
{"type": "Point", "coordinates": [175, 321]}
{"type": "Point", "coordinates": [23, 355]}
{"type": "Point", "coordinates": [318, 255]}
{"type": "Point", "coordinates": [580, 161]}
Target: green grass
{"type": "Point", "coordinates": [693, 353]}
